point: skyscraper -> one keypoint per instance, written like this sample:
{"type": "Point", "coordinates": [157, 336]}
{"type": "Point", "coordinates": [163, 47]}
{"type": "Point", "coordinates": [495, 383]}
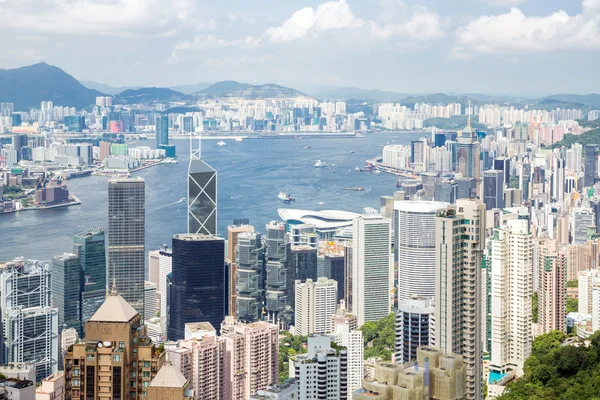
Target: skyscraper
{"type": "Point", "coordinates": [467, 153]}
{"type": "Point", "coordinates": [90, 247]}
{"type": "Point", "coordinates": [67, 287]}
{"type": "Point", "coordinates": [460, 239]}
{"type": "Point", "coordinates": [233, 231]}
{"type": "Point", "coordinates": [30, 323]}
{"type": "Point", "coordinates": [277, 297]}
{"type": "Point", "coordinates": [591, 164]}
{"type": "Point", "coordinates": [126, 238]}
{"type": "Point", "coordinates": [552, 290]}
{"type": "Point", "coordinates": [250, 289]}
{"type": "Point", "coordinates": [415, 247]}
{"type": "Point", "coordinates": [493, 189]}
{"type": "Point", "coordinates": [414, 327]}
{"type": "Point", "coordinates": [511, 272]}
{"type": "Point", "coordinates": [372, 268]}
{"type": "Point", "coordinates": [162, 130]}
{"type": "Point", "coordinates": [202, 198]}
{"type": "Point", "coordinates": [199, 284]}
{"type": "Point", "coordinates": [316, 303]}
{"type": "Point", "coordinates": [116, 360]}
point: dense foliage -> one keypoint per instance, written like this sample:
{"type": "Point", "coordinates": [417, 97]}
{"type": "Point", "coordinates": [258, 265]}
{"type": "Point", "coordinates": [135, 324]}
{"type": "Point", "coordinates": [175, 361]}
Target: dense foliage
{"type": "Point", "coordinates": [458, 122]}
{"type": "Point", "coordinates": [572, 305]}
{"type": "Point", "coordinates": [289, 347]}
{"type": "Point", "coordinates": [379, 337]}
{"type": "Point", "coordinates": [558, 372]}
{"type": "Point", "coordinates": [589, 137]}
{"type": "Point", "coordinates": [534, 308]}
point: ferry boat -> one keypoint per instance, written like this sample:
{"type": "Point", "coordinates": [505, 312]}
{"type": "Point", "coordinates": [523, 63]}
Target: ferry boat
{"type": "Point", "coordinates": [221, 143]}
{"type": "Point", "coordinates": [356, 189]}
{"type": "Point", "coordinates": [239, 139]}
{"type": "Point", "coordinates": [320, 164]}
{"type": "Point", "coordinates": [286, 198]}
{"type": "Point", "coordinates": [170, 161]}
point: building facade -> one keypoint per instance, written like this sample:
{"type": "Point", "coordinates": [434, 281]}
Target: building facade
{"type": "Point", "coordinates": [67, 288]}
{"type": "Point", "coordinates": [316, 303]}
{"type": "Point", "coordinates": [414, 327]}
{"type": "Point", "coordinates": [250, 289]}
{"type": "Point", "coordinates": [126, 238]}
{"type": "Point", "coordinates": [90, 247]}
{"type": "Point", "coordinates": [202, 198]}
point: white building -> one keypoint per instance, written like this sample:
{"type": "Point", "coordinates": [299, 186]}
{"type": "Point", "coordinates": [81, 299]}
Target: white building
{"type": "Point", "coordinates": [372, 269]}
{"type": "Point", "coordinates": [414, 223]}
{"type": "Point", "coordinates": [396, 156]}
{"type": "Point", "coordinates": [587, 279]}
{"type": "Point", "coordinates": [352, 340]}
{"type": "Point", "coordinates": [595, 308]}
{"type": "Point", "coordinates": [149, 300]}
{"type": "Point", "coordinates": [319, 373]}
{"type": "Point", "coordinates": [414, 327]}
{"type": "Point", "coordinates": [316, 303]}
{"type": "Point", "coordinates": [511, 266]}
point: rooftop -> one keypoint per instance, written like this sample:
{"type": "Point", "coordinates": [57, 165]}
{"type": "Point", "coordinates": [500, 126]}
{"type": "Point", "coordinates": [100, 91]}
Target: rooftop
{"type": "Point", "coordinates": [114, 309]}
{"type": "Point", "coordinates": [326, 219]}
{"type": "Point", "coordinates": [425, 207]}
{"type": "Point", "coordinates": [168, 376]}
{"type": "Point", "coordinates": [193, 237]}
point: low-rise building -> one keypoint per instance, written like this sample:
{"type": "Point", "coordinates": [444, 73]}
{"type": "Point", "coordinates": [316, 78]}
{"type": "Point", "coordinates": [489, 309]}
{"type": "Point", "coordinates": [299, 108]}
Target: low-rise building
{"type": "Point", "coordinates": [52, 387]}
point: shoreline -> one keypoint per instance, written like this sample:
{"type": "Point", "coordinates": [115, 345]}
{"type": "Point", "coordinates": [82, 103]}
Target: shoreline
{"type": "Point", "coordinates": [74, 202]}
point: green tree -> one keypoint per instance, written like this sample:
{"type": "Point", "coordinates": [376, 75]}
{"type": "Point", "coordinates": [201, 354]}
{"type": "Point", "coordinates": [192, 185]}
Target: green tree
{"type": "Point", "coordinates": [534, 308]}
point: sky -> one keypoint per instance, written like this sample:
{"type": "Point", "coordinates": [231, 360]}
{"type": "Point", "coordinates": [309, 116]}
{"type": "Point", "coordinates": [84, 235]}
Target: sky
{"type": "Point", "coordinates": [512, 47]}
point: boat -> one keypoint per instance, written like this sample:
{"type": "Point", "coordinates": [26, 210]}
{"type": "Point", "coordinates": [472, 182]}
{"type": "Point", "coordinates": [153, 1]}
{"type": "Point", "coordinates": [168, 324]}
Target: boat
{"type": "Point", "coordinates": [169, 161]}
{"type": "Point", "coordinates": [377, 171]}
{"type": "Point", "coordinates": [286, 198]}
{"type": "Point", "coordinates": [233, 162]}
{"type": "Point", "coordinates": [356, 189]}
{"type": "Point", "coordinates": [181, 200]}
{"type": "Point", "coordinates": [307, 147]}
{"type": "Point", "coordinates": [321, 203]}
{"type": "Point", "coordinates": [239, 139]}
{"type": "Point", "coordinates": [221, 143]}
{"type": "Point", "coordinates": [352, 152]}
{"type": "Point", "coordinates": [320, 164]}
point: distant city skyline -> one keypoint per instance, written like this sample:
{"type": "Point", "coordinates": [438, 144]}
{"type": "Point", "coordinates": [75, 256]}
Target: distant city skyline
{"type": "Point", "coordinates": [420, 46]}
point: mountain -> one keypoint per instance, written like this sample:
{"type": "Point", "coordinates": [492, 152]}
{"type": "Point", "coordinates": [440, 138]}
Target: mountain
{"type": "Point", "coordinates": [149, 95]}
{"type": "Point", "coordinates": [233, 89]}
{"type": "Point", "coordinates": [101, 87]}
{"type": "Point", "coordinates": [590, 100]}
{"type": "Point", "coordinates": [347, 93]}
{"type": "Point", "coordinates": [28, 86]}
{"type": "Point", "coordinates": [191, 88]}
{"type": "Point", "coordinates": [550, 104]}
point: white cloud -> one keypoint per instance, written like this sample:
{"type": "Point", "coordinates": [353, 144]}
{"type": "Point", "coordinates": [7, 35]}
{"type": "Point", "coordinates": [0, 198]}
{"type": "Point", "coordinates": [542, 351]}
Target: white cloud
{"type": "Point", "coordinates": [328, 16]}
{"type": "Point", "coordinates": [203, 42]}
{"type": "Point", "coordinates": [104, 17]}
{"type": "Point", "coordinates": [423, 25]}
{"type": "Point", "coordinates": [515, 32]}
{"type": "Point", "coordinates": [505, 3]}
{"type": "Point", "coordinates": [239, 17]}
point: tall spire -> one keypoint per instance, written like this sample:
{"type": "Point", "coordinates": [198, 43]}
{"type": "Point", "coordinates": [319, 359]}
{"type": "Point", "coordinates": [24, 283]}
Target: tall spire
{"type": "Point", "coordinates": [469, 115]}
{"type": "Point", "coordinates": [114, 292]}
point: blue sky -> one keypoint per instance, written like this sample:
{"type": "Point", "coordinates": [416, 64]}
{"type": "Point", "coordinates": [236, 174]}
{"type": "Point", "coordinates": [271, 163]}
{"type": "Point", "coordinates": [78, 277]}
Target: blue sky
{"type": "Point", "coordinates": [515, 47]}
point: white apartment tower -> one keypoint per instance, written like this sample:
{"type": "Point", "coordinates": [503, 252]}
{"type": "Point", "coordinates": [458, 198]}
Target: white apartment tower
{"type": "Point", "coordinates": [587, 279]}
{"type": "Point", "coordinates": [346, 335]}
{"type": "Point", "coordinates": [460, 239]}
{"type": "Point", "coordinates": [372, 268]}
{"type": "Point", "coordinates": [321, 372]}
{"type": "Point", "coordinates": [316, 303]}
{"type": "Point", "coordinates": [511, 265]}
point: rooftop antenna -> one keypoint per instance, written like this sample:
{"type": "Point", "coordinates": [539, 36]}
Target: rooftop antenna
{"type": "Point", "coordinates": [469, 114]}
{"type": "Point", "coordinates": [196, 153]}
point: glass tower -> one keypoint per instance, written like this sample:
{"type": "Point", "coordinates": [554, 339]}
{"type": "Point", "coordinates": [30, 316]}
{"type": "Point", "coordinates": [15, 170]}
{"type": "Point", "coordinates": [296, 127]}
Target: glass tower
{"type": "Point", "coordinates": [199, 283]}
{"type": "Point", "coordinates": [90, 247]}
{"type": "Point", "coordinates": [67, 285]}
{"type": "Point", "coordinates": [250, 260]}
{"type": "Point", "coordinates": [126, 246]}
{"type": "Point", "coordinates": [202, 198]}
{"type": "Point", "coordinates": [162, 130]}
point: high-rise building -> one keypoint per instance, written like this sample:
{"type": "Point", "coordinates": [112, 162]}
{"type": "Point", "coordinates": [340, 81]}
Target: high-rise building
{"type": "Point", "coordinates": [331, 264]}
{"type": "Point", "coordinates": [591, 164]}
{"type": "Point", "coordinates": [251, 354]}
{"type": "Point", "coordinates": [552, 289]}
{"type": "Point", "coordinates": [511, 264]}
{"type": "Point", "coordinates": [30, 323]}
{"type": "Point", "coordinates": [493, 189]}
{"type": "Point", "coordinates": [321, 373]}
{"type": "Point", "coordinates": [162, 130]}
{"type": "Point", "coordinates": [583, 218]}
{"type": "Point", "coordinates": [414, 227]}
{"type": "Point", "coordinates": [414, 327]}
{"type": "Point", "coordinates": [233, 231]}
{"type": "Point", "coordinates": [372, 268]}
{"type": "Point", "coordinates": [150, 308]}
{"type": "Point", "coordinates": [117, 360]}
{"type": "Point", "coordinates": [67, 287]}
{"type": "Point", "coordinates": [460, 239]}
{"type": "Point", "coordinates": [199, 284]}
{"type": "Point", "coordinates": [277, 286]}
{"type": "Point", "coordinates": [579, 258]}
{"type": "Point", "coordinates": [435, 375]}
{"type": "Point", "coordinates": [586, 281]}
{"type": "Point", "coordinates": [316, 303]}
{"type": "Point", "coordinates": [467, 153]}
{"type": "Point", "coordinates": [202, 198]}
{"type": "Point", "coordinates": [90, 247]}
{"type": "Point", "coordinates": [126, 238]}
{"type": "Point", "coordinates": [250, 261]}
{"type": "Point", "coordinates": [346, 334]}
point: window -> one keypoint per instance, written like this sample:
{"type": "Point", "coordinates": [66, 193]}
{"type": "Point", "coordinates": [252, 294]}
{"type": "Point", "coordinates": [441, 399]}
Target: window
{"type": "Point", "coordinates": [117, 358]}
{"type": "Point", "coordinates": [146, 364]}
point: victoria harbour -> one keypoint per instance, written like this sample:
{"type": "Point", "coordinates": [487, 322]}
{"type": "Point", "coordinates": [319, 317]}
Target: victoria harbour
{"type": "Point", "coordinates": [250, 175]}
